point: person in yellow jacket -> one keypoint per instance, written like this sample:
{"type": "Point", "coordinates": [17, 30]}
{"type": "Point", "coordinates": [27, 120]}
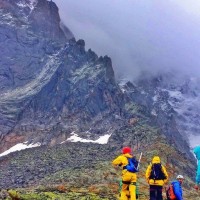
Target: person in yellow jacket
{"type": "Point", "coordinates": [129, 177]}
{"type": "Point", "coordinates": [156, 176]}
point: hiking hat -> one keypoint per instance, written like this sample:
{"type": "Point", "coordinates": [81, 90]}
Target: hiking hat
{"type": "Point", "coordinates": [126, 150]}
{"type": "Point", "coordinates": [179, 177]}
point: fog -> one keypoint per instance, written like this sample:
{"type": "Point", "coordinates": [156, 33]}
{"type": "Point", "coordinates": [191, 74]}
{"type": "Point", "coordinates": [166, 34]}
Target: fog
{"type": "Point", "coordinates": [139, 35]}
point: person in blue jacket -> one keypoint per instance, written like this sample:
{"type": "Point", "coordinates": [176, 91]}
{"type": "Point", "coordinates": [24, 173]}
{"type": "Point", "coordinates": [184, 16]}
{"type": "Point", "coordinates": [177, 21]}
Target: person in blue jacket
{"type": "Point", "coordinates": [177, 187]}
{"type": "Point", "coordinates": [196, 151]}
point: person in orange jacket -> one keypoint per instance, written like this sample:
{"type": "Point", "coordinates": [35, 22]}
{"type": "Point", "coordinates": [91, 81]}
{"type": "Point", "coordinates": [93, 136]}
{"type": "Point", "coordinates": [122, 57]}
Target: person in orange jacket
{"type": "Point", "coordinates": [156, 176]}
{"type": "Point", "coordinates": [129, 176]}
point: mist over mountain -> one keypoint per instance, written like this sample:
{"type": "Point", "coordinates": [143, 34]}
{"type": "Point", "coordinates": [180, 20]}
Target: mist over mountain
{"type": "Point", "coordinates": [147, 39]}
{"type": "Point", "coordinates": [140, 36]}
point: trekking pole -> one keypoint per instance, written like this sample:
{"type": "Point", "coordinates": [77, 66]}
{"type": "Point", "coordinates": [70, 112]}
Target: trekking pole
{"type": "Point", "coordinates": [139, 161]}
{"type": "Point", "coordinates": [138, 169]}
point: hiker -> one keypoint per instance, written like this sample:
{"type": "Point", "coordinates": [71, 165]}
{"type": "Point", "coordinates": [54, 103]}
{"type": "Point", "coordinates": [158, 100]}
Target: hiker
{"type": "Point", "coordinates": [129, 177]}
{"type": "Point", "coordinates": [196, 151]}
{"type": "Point", "coordinates": [156, 176]}
{"type": "Point", "coordinates": [174, 191]}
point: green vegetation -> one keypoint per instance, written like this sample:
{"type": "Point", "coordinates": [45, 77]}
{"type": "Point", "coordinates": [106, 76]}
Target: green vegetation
{"type": "Point", "coordinates": [84, 171]}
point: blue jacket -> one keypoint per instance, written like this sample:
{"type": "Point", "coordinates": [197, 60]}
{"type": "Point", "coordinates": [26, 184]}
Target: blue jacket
{"type": "Point", "coordinates": [196, 151]}
{"type": "Point", "coordinates": [197, 154]}
{"type": "Point", "coordinates": [177, 190]}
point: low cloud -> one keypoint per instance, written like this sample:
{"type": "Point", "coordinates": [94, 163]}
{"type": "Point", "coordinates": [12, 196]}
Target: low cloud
{"type": "Point", "coordinates": [139, 35]}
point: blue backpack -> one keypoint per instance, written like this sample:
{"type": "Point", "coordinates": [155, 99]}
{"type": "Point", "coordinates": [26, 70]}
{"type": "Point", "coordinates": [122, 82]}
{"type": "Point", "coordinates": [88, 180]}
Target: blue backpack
{"type": "Point", "coordinates": [132, 165]}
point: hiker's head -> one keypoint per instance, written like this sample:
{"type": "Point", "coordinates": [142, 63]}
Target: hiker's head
{"type": "Point", "coordinates": [126, 150]}
{"type": "Point", "coordinates": [180, 178]}
{"type": "Point", "coordinates": [156, 159]}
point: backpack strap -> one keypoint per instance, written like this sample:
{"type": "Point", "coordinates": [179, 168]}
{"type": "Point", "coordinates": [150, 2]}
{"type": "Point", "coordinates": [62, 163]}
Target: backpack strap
{"type": "Point", "coordinates": [124, 167]}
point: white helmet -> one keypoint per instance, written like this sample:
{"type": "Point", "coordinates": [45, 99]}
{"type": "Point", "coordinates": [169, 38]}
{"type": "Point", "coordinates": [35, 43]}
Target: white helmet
{"type": "Point", "coordinates": [179, 177]}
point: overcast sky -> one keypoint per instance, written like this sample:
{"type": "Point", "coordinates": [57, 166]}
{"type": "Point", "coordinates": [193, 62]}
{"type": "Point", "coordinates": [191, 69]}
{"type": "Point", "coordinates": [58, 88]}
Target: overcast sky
{"type": "Point", "coordinates": [152, 35]}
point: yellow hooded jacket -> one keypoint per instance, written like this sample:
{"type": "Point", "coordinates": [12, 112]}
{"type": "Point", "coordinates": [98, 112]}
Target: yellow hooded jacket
{"type": "Point", "coordinates": [123, 161]}
{"type": "Point", "coordinates": [156, 160]}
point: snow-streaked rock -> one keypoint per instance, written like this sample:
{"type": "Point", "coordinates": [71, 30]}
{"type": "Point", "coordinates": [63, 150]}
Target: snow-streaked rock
{"type": "Point", "coordinates": [19, 147]}
{"type": "Point", "coordinates": [101, 140]}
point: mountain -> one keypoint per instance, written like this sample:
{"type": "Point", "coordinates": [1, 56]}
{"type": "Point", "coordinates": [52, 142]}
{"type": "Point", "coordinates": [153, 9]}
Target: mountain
{"type": "Point", "coordinates": [54, 90]}
{"type": "Point", "coordinates": [171, 98]}
{"type": "Point", "coordinates": [50, 85]}
{"type": "Point", "coordinates": [27, 42]}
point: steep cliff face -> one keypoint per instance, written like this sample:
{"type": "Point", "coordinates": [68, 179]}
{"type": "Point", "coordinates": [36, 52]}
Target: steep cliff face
{"type": "Point", "coordinates": [79, 91]}
{"type": "Point", "coordinates": [50, 86]}
{"type": "Point", "coordinates": [27, 41]}
{"type": "Point", "coordinates": [27, 37]}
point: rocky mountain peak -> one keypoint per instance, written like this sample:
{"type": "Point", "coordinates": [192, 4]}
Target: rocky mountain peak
{"type": "Point", "coordinates": [45, 19]}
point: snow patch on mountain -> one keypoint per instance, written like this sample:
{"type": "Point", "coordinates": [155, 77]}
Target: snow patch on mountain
{"type": "Point", "coordinates": [101, 140]}
{"type": "Point", "coordinates": [19, 147]}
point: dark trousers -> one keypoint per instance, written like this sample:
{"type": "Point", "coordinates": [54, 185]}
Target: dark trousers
{"type": "Point", "coordinates": [156, 192]}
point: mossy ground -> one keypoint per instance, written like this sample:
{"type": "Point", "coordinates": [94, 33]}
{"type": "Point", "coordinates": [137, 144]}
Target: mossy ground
{"type": "Point", "coordinates": [101, 182]}
{"type": "Point", "coordinates": [87, 173]}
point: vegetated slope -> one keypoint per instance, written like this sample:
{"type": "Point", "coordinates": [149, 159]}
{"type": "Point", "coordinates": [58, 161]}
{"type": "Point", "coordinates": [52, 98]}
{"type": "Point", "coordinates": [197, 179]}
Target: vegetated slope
{"type": "Point", "coordinates": [81, 169]}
